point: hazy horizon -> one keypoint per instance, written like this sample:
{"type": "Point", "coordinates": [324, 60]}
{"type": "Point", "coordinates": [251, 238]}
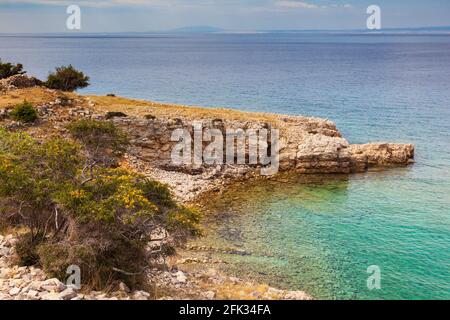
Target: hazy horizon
{"type": "Point", "coordinates": [209, 29]}
{"type": "Point", "coordinates": [100, 16]}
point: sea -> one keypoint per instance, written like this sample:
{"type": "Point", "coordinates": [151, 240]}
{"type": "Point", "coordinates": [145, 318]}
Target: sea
{"type": "Point", "coordinates": [377, 235]}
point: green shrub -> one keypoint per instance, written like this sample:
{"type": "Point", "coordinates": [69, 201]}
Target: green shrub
{"type": "Point", "coordinates": [8, 69]}
{"type": "Point", "coordinates": [183, 221]}
{"type": "Point", "coordinates": [102, 224]}
{"type": "Point", "coordinates": [31, 175]}
{"type": "Point", "coordinates": [26, 250]}
{"type": "Point", "coordinates": [149, 117]}
{"type": "Point", "coordinates": [55, 258]}
{"type": "Point", "coordinates": [98, 262]}
{"type": "Point", "coordinates": [24, 112]}
{"type": "Point", "coordinates": [114, 114]}
{"type": "Point", "coordinates": [103, 141]}
{"type": "Point", "coordinates": [67, 78]}
{"type": "Point", "coordinates": [158, 192]}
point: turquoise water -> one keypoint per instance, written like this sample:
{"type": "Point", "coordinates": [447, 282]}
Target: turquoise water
{"type": "Point", "coordinates": [313, 233]}
{"type": "Point", "coordinates": [321, 233]}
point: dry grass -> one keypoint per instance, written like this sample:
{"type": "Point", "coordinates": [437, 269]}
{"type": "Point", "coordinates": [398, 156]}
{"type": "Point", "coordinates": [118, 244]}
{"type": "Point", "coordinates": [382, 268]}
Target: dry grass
{"type": "Point", "coordinates": [34, 95]}
{"type": "Point", "coordinates": [140, 108]}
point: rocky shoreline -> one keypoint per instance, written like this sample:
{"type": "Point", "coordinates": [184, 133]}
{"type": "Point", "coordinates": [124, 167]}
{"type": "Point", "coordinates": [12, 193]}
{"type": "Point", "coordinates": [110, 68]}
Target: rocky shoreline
{"type": "Point", "coordinates": [31, 283]}
{"type": "Point", "coordinates": [307, 145]}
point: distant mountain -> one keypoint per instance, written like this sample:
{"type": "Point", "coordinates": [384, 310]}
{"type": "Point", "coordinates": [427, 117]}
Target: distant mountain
{"type": "Point", "coordinates": [439, 28]}
{"type": "Point", "coordinates": [197, 29]}
{"type": "Point", "coordinates": [413, 30]}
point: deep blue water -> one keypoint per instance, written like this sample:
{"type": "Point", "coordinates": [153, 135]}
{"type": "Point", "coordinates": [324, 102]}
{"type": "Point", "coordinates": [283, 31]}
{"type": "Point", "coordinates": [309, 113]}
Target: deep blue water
{"type": "Point", "coordinates": [320, 236]}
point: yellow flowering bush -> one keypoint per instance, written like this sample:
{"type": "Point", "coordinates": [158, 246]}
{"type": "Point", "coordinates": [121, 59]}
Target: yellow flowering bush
{"type": "Point", "coordinates": [101, 221]}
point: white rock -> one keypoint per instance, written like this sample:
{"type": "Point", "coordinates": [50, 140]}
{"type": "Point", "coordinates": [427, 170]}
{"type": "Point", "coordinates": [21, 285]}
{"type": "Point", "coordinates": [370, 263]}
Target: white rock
{"type": "Point", "coordinates": [235, 280]}
{"type": "Point", "coordinates": [123, 287]}
{"type": "Point", "coordinates": [209, 295]}
{"type": "Point", "coordinates": [4, 297]}
{"type": "Point", "coordinates": [296, 295]}
{"type": "Point", "coordinates": [68, 294]}
{"type": "Point", "coordinates": [180, 276]}
{"type": "Point", "coordinates": [53, 285]}
{"type": "Point", "coordinates": [33, 295]}
{"type": "Point", "coordinates": [51, 296]}
{"type": "Point", "coordinates": [141, 295]}
{"type": "Point", "coordinates": [14, 291]}
{"type": "Point", "coordinates": [4, 251]}
{"type": "Point", "coordinates": [211, 273]}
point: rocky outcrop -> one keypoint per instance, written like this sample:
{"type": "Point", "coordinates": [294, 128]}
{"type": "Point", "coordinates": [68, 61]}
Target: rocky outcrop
{"type": "Point", "coordinates": [306, 145]}
{"type": "Point", "coordinates": [364, 156]}
{"type": "Point", "coordinates": [18, 82]}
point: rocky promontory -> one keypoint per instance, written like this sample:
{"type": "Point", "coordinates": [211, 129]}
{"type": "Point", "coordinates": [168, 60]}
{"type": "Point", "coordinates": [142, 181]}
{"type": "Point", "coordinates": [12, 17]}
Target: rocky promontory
{"type": "Point", "coordinates": [306, 145]}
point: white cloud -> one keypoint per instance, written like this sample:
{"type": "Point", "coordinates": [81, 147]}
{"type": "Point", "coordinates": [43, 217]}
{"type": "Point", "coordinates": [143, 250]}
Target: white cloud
{"type": "Point", "coordinates": [93, 3]}
{"type": "Point", "coordinates": [296, 4]}
{"type": "Point", "coordinates": [267, 4]}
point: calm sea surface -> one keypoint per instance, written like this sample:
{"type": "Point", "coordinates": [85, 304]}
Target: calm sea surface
{"type": "Point", "coordinates": [313, 233]}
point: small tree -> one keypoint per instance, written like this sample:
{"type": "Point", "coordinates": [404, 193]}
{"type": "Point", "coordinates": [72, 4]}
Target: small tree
{"type": "Point", "coordinates": [24, 112]}
{"type": "Point", "coordinates": [103, 224]}
{"type": "Point", "coordinates": [31, 173]}
{"type": "Point", "coordinates": [104, 143]}
{"type": "Point", "coordinates": [67, 78]}
{"type": "Point", "coordinates": [8, 69]}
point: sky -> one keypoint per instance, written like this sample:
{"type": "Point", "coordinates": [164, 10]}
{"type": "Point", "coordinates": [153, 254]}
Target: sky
{"type": "Point", "coordinates": [42, 16]}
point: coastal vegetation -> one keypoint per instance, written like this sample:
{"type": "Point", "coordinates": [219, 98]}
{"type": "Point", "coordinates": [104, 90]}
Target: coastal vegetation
{"type": "Point", "coordinates": [24, 112]}
{"type": "Point", "coordinates": [115, 114]}
{"type": "Point", "coordinates": [79, 208]}
{"type": "Point", "coordinates": [67, 78]}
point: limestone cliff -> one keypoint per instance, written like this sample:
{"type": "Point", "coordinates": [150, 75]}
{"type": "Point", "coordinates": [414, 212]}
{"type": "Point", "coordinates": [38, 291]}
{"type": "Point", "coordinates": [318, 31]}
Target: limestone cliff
{"type": "Point", "coordinates": [307, 145]}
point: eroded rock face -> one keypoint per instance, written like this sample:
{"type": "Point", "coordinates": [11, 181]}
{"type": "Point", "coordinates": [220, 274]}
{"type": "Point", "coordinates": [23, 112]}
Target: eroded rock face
{"type": "Point", "coordinates": [322, 154]}
{"type": "Point", "coordinates": [306, 145]}
{"type": "Point", "coordinates": [364, 156]}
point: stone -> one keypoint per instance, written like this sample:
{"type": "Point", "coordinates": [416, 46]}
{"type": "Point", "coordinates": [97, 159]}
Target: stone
{"type": "Point", "coordinates": [123, 287]}
{"type": "Point", "coordinates": [234, 280]}
{"type": "Point", "coordinates": [180, 277]}
{"type": "Point", "coordinates": [297, 295]}
{"type": "Point", "coordinates": [4, 297]}
{"type": "Point", "coordinates": [51, 296]}
{"type": "Point", "coordinates": [14, 291]}
{"type": "Point", "coordinates": [53, 285]}
{"type": "Point", "coordinates": [18, 82]}
{"type": "Point", "coordinates": [209, 295]}
{"type": "Point", "coordinates": [141, 295]}
{"type": "Point", "coordinates": [211, 273]}
{"type": "Point", "coordinates": [4, 251]}
{"type": "Point", "coordinates": [274, 291]}
{"type": "Point", "coordinates": [364, 156]}
{"type": "Point", "coordinates": [33, 295]}
{"type": "Point", "coordinates": [68, 294]}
